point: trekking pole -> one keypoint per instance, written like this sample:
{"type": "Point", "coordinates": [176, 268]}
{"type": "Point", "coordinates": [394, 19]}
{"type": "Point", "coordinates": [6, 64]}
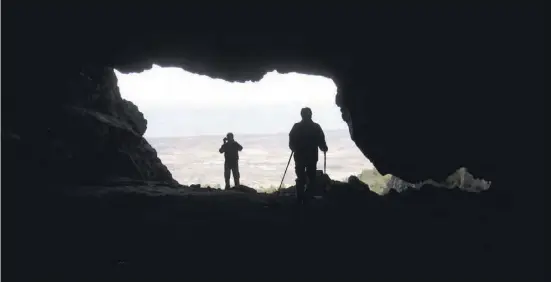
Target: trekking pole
{"type": "Point", "coordinates": [285, 171]}
{"type": "Point", "coordinates": [324, 162]}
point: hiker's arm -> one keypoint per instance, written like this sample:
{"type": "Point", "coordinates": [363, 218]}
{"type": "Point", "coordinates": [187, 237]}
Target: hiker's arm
{"type": "Point", "coordinates": [239, 147]}
{"type": "Point", "coordinates": [222, 148]}
{"type": "Point", "coordinates": [321, 140]}
{"type": "Point", "coordinates": [292, 138]}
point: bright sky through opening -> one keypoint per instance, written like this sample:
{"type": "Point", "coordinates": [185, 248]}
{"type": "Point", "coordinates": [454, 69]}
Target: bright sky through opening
{"type": "Point", "coordinates": [179, 103]}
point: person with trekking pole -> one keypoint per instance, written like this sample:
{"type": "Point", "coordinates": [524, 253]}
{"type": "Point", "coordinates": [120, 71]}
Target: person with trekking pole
{"type": "Point", "coordinates": [305, 138]}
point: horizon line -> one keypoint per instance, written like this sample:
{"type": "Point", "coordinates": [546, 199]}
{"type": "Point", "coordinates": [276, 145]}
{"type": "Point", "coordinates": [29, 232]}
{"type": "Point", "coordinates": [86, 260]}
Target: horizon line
{"type": "Point", "coordinates": [236, 133]}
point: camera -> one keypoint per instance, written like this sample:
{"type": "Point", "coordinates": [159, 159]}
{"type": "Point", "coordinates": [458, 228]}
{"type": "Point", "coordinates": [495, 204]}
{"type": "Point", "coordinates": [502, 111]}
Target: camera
{"type": "Point", "coordinates": [225, 139]}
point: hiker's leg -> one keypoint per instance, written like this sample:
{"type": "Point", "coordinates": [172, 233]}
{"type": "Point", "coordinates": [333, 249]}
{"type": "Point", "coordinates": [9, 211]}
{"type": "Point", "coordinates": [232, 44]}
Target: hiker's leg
{"type": "Point", "coordinates": [311, 175]}
{"type": "Point", "coordinates": [301, 180]}
{"type": "Point", "coordinates": [235, 171]}
{"type": "Point", "coordinates": [227, 174]}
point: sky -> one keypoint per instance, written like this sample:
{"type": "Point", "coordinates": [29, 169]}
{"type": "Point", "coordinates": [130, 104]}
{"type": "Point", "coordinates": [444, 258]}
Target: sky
{"type": "Point", "coordinates": [179, 103]}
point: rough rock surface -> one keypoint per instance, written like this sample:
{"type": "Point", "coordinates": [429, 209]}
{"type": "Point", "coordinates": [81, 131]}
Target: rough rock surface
{"type": "Point", "coordinates": [94, 138]}
{"type": "Point", "coordinates": [461, 179]}
{"type": "Point", "coordinates": [133, 232]}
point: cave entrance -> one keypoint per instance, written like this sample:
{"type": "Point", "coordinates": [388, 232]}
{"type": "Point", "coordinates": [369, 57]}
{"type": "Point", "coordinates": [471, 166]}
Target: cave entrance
{"type": "Point", "coordinates": [189, 114]}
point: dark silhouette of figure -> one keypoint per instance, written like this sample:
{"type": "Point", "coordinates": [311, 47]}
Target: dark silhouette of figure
{"type": "Point", "coordinates": [231, 149]}
{"type": "Point", "coordinates": [305, 138]}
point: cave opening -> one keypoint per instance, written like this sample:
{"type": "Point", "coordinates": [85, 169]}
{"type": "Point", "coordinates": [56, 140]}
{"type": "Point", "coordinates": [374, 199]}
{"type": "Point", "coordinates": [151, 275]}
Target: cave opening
{"type": "Point", "coordinates": [188, 115]}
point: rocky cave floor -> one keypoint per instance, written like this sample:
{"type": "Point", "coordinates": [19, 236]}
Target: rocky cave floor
{"type": "Point", "coordinates": [156, 233]}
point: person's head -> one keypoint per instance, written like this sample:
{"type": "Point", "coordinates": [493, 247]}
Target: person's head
{"type": "Point", "coordinates": [306, 113]}
{"type": "Point", "coordinates": [229, 136]}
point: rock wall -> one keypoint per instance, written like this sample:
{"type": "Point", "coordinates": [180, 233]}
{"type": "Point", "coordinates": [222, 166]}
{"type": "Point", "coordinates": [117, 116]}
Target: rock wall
{"type": "Point", "coordinates": [461, 179]}
{"type": "Point", "coordinates": [96, 137]}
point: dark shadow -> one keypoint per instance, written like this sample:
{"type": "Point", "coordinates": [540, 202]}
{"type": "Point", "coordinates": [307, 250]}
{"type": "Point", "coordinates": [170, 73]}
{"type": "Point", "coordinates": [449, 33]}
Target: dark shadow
{"type": "Point", "coordinates": [64, 125]}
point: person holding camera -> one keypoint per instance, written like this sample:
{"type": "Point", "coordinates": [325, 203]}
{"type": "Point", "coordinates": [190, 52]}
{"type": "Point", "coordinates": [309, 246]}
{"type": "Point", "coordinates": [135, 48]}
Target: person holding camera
{"type": "Point", "coordinates": [231, 150]}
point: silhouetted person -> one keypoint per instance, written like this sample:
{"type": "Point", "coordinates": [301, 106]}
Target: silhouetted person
{"type": "Point", "coordinates": [305, 138]}
{"type": "Point", "coordinates": [231, 149]}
